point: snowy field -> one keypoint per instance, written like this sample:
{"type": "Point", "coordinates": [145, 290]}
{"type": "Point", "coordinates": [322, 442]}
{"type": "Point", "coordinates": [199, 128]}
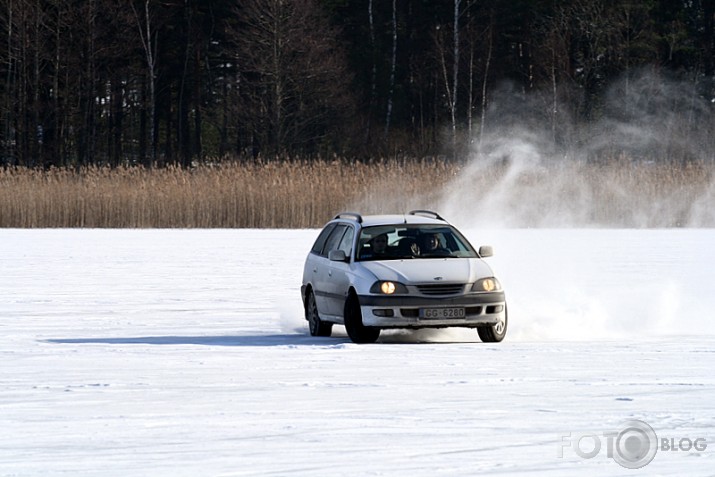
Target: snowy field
{"type": "Point", "coordinates": [185, 353]}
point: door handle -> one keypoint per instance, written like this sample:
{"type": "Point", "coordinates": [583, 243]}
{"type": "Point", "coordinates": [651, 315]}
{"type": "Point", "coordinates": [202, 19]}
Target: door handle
{"type": "Point", "coordinates": [330, 273]}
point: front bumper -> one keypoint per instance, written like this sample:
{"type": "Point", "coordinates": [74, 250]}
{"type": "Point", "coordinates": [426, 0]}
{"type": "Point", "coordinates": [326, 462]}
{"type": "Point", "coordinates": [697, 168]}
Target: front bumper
{"type": "Point", "coordinates": [404, 311]}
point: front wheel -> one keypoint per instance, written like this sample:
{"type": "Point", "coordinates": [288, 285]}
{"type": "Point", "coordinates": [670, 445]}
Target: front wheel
{"type": "Point", "coordinates": [494, 333]}
{"type": "Point", "coordinates": [316, 326]}
{"type": "Point", "coordinates": [358, 332]}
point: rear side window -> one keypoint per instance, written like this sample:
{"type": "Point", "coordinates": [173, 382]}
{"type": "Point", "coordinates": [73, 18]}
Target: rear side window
{"type": "Point", "coordinates": [320, 241]}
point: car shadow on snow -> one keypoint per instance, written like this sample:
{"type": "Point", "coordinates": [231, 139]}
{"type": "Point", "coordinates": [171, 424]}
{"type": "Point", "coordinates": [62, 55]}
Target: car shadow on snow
{"type": "Point", "coordinates": [339, 339]}
{"type": "Point", "coordinates": [241, 340]}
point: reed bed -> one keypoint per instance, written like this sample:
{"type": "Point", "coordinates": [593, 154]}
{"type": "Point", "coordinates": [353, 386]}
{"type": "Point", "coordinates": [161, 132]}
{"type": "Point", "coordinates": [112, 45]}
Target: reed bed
{"type": "Point", "coordinates": [280, 194]}
{"type": "Point", "coordinates": [305, 194]}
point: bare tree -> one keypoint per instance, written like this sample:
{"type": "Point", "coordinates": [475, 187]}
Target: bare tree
{"type": "Point", "coordinates": [7, 139]}
{"type": "Point", "coordinates": [393, 66]}
{"type": "Point", "coordinates": [294, 78]}
{"type": "Point", "coordinates": [150, 44]}
{"type": "Point", "coordinates": [451, 79]}
{"type": "Point", "coordinates": [373, 74]}
{"type": "Point", "coordinates": [555, 32]}
{"type": "Point", "coordinates": [485, 79]}
{"type": "Point", "coordinates": [455, 74]}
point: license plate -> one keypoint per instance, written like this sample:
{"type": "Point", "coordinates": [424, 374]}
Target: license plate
{"type": "Point", "coordinates": [440, 313]}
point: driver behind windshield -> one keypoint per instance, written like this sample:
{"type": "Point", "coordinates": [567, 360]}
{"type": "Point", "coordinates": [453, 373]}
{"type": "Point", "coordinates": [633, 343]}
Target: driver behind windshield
{"type": "Point", "coordinates": [432, 243]}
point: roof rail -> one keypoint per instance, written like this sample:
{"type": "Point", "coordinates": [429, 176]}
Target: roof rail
{"type": "Point", "coordinates": [357, 216]}
{"type": "Point", "coordinates": [425, 212]}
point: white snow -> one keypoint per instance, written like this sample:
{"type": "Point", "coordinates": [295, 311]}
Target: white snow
{"type": "Point", "coordinates": [185, 352]}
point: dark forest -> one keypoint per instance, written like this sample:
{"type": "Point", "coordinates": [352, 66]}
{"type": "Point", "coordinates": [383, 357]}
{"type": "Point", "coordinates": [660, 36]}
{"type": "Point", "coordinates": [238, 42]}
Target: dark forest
{"type": "Point", "coordinates": [121, 82]}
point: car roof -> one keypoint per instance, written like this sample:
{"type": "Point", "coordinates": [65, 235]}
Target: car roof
{"type": "Point", "coordinates": [370, 220]}
{"type": "Point", "coordinates": [392, 219]}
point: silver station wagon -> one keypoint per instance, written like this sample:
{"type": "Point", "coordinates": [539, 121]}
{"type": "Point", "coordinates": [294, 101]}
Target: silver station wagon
{"type": "Point", "coordinates": [377, 272]}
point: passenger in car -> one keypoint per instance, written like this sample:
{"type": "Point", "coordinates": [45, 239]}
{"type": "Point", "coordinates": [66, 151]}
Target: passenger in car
{"type": "Point", "coordinates": [378, 247]}
{"type": "Point", "coordinates": [378, 244]}
{"type": "Point", "coordinates": [408, 246]}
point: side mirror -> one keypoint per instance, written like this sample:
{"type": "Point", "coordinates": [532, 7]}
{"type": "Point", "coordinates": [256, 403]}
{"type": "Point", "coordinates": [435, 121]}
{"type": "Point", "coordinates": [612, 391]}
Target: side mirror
{"type": "Point", "coordinates": [337, 256]}
{"type": "Point", "coordinates": [486, 251]}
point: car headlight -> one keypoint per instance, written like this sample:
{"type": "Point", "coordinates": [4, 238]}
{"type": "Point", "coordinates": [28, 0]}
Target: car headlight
{"type": "Point", "coordinates": [386, 287]}
{"type": "Point", "coordinates": [486, 285]}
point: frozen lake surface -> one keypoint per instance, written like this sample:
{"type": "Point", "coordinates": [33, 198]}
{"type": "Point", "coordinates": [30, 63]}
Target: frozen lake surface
{"type": "Point", "coordinates": [185, 352]}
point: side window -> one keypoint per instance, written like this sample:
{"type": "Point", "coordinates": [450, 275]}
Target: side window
{"type": "Point", "coordinates": [334, 239]}
{"type": "Point", "coordinates": [320, 241]}
{"type": "Point", "coordinates": [346, 244]}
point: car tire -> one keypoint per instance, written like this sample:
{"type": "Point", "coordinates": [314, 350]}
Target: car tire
{"type": "Point", "coordinates": [358, 332]}
{"type": "Point", "coordinates": [316, 326]}
{"type": "Point", "coordinates": [494, 333]}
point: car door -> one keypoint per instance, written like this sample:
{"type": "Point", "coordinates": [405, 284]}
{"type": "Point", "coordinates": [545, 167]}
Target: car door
{"type": "Point", "coordinates": [316, 262]}
{"type": "Point", "coordinates": [338, 280]}
{"type": "Point", "coordinates": [322, 284]}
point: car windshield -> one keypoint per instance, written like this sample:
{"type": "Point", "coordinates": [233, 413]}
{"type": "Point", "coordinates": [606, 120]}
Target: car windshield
{"type": "Point", "coordinates": [402, 241]}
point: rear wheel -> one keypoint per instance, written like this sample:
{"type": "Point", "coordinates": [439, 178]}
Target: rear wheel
{"type": "Point", "coordinates": [494, 333]}
{"type": "Point", "coordinates": [316, 326]}
{"type": "Point", "coordinates": [358, 332]}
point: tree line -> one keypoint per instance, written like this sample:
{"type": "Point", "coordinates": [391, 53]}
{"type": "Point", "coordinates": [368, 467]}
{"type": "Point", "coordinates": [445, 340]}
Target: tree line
{"type": "Point", "coordinates": [159, 82]}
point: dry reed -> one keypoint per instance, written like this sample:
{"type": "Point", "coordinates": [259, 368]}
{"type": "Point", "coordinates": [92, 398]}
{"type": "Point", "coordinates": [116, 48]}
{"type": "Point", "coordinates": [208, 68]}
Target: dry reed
{"type": "Point", "coordinates": [302, 194]}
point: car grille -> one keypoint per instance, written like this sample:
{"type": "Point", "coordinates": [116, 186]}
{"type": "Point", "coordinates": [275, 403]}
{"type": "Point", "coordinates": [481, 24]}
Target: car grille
{"type": "Point", "coordinates": [441, 289]}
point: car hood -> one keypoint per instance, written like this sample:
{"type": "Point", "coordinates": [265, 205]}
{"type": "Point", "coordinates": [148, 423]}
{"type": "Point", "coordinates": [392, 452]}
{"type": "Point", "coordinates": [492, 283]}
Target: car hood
{"type": "Point", "coordinates": [427, 270]}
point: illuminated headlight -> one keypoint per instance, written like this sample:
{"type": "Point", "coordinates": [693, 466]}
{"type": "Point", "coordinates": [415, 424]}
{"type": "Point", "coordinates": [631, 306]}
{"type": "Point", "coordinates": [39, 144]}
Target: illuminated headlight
{"type": "Point", "coordinates": [388, 288]}
{"type": "Point", "coordinates": [486, 285]}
